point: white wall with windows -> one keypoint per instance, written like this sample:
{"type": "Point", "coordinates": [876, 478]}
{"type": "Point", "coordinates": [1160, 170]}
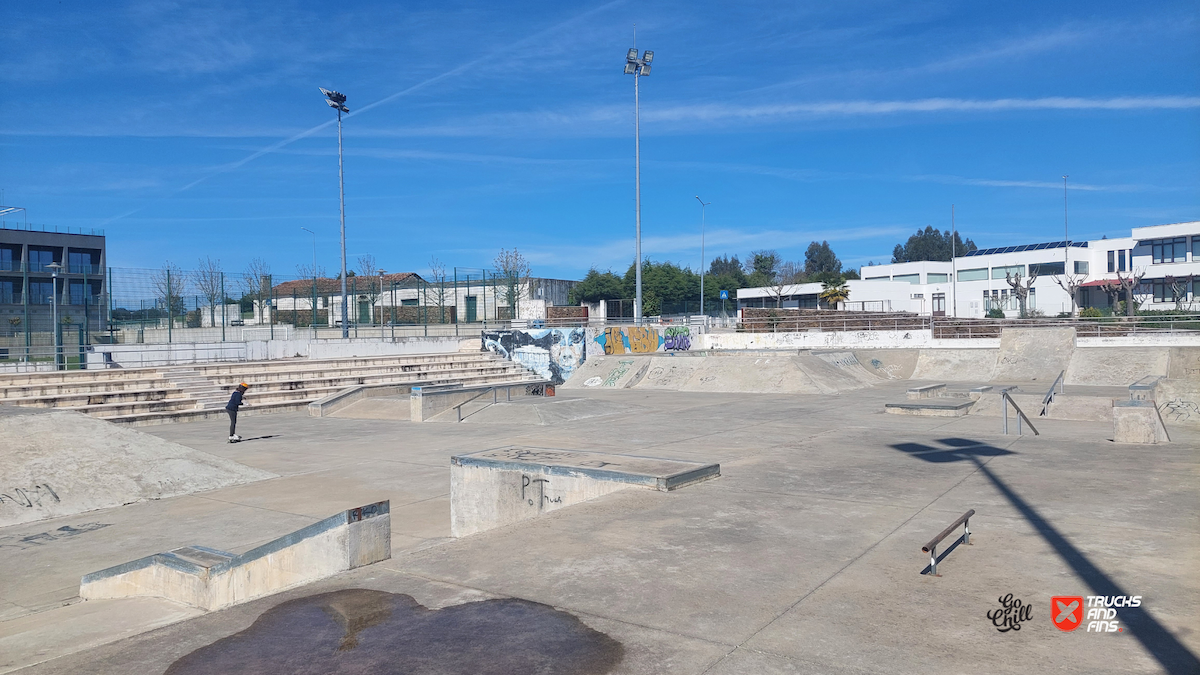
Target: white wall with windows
{"type": "Point", "coordinates": [1168, 257]}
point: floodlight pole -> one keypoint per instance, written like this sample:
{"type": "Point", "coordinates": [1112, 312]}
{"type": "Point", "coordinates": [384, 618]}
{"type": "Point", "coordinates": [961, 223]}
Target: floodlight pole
{"type": "Point", "coordinates": [703, 206]}
{"type": "Point", "coordinates": [638, 67]}
{"type": "Point", "coordinates": [342, 204]}
{"type": "Point", "coordinates": [637, 171]}
{"type": "Point", "coordinates": [54, 268]}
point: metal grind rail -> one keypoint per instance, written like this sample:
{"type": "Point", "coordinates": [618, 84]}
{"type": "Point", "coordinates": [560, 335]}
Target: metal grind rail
{"type": "Point", "coordinates": [495, 391]}
{"type": "Point", "coordinates": [1059, 384]}
{"type": "Point", "coordinates": [1005, 401]}
{"type": "Point", "coordinates": [931, 547]}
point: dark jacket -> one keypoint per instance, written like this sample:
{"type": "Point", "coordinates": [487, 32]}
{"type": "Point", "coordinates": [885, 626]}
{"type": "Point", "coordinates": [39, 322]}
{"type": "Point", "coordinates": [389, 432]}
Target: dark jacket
{"type": "Point", "coordinates": [235, 401]}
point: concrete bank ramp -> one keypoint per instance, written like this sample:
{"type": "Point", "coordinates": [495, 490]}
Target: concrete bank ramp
{"type": "Point", "coordinates": [609, 372]}
{"type": "Point", "coordinates": [955, 365]}
{"type": "Point", "coordinates": [542, 411]}
{"type": "Point", "coordinates": [888, 364]}
{"type": "Point", "coordinates": [211, 579]}
{"type": "Point", "coordinates": [804, 372]}
{"type": "Point", "coordinates": [1116, 366]}
{"type": "Point", "coordinates": [62, 463]}
{"type": "Point", "coordinates": [396, 408]}
{"type": "Point", "coordinates": [1033, 354]}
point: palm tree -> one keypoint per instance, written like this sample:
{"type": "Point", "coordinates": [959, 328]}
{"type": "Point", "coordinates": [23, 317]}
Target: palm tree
{"type": "Point", "coordinates": [833, 292]}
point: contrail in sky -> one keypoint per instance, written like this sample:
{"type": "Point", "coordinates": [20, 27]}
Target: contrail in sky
{"type": "Point", "coordinates": [403, 92]}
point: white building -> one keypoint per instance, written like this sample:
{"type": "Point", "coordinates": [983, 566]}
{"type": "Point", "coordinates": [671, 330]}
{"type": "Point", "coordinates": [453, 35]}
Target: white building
{"type": "Point", "coordinates": [972, 284]}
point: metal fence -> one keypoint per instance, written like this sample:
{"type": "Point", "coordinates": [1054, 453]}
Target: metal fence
{"type": "Point", "coordinates": [53, 315]}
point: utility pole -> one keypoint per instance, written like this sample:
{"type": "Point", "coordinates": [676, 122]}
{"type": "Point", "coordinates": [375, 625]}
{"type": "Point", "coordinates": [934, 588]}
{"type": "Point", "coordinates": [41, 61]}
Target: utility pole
{"type": "Point", "coordinates": [953, 264]}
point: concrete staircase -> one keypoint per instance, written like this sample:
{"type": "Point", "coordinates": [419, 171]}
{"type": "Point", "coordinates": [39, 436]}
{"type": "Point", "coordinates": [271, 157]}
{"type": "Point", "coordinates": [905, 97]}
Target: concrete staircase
{"type": "Point", "coordinates": [139, 396]}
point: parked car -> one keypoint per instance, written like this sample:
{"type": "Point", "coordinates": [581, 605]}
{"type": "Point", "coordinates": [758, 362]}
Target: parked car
{"type": "Point", "coordinates": [237, 322]}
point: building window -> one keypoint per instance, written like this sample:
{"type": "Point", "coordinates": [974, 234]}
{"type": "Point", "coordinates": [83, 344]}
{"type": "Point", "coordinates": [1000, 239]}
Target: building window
{"type": "Point", "coordinates": [1081, 267]}
{"type": "Point", "coordinates": [878, 279]}
{"type": "Point", "coordinates": [1121, 260]}
{"type": "Point", "coordinates": [935, 278]}
{"type": "Point", "coordinates": [83, 261]}
{"type": "Point", "coordinates": [10, 259]}
{"type": "Point", "coordinates": [1112, 266]}
{"type": "Point", "coordinates": [1047, 269]}
{"type": "Point", "coordinates": [41, 292]}
{"type": "Point", "coordinates": [1169, 250]}
{"type": "Point", "coordinates": [10, 292]}
{"type": "Point", "coordinates": [977, 274]}
{"type": "Point", "coordinates": [1195, 249]}
{"type": "Point", "coordinates": [1003, 272]}
{"type": "Point", "coordinates": [910, 278]}
{"type": "Point", "coordinates": [39, 258]}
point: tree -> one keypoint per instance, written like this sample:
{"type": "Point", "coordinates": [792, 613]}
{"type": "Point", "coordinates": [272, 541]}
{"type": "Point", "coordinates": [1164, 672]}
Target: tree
{"type": "Point", "coordinates": [763, 267]}
{"type": "Point", "coordinates": [1021, 290]}
{"type": "Point", "coordinates": [1071, 283]}
{"type": "Point", "coordinates": [930, 244]}
{"type": "Point", "coordinates": [256, 281]}
{"type": "Point", "coordinates": [208, 280]}
{"type": "Point", "coordinates": [665, 284]}
{"type": "Point", "coordinates": [170, 284]}
{"type": "Point", "coordinates": [834, 292]}
{"type": "Point", "coordinates": [819, 258]}
{"type": "Point", "coordinates": [437, 280]}
{"type": "Point", "coordinates": [1129, 284]}
{"type": "Point", "coordinates": [597, 286]}
{"type": "Point", "coordinates": [851, 274]}
{"type": "Point", "coordinates": [725, 266]}
{"type": "Point", "coordinates": [513, 270]}
{"type": "Point", "coordinates": [368, 271]}
{"type": "Point", "coordinates": [786, 274]}
{"type": "Point", "coordinates": [1179, 288]}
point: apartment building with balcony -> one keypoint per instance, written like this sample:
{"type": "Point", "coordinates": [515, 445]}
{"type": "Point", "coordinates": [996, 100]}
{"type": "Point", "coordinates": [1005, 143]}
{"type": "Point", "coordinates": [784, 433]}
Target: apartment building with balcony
{"type": "Point", "coordinates": [28, 284]}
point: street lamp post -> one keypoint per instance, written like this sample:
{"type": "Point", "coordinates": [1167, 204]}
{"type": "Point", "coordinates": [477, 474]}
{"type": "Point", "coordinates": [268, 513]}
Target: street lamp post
{"type": "Point", "coordinates": [638, 68]}
{"type": "Point", "coordinates": [381, 328]}
{"type": "Point", "coordinates": [703, 205]}
{"type": "Point", "coordinates": [337, 101]}
{"type": "Point", "coordinates": [54, 269]}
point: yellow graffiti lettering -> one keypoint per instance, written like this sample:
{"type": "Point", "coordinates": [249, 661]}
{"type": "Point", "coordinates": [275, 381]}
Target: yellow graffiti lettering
{"type": "Point", "coordinates": [614, 342]}
{"type": "Point", "coordinates": [642, 340]}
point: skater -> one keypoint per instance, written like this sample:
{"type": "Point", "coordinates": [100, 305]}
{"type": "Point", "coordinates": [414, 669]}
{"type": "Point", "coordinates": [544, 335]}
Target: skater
{"type": "Point", "coordinates": [235, 401]}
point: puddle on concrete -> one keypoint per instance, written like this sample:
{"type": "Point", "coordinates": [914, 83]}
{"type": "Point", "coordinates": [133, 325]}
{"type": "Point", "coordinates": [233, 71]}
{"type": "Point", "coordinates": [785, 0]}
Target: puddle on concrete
{"type": "Point", "coordinates": [365, 631]}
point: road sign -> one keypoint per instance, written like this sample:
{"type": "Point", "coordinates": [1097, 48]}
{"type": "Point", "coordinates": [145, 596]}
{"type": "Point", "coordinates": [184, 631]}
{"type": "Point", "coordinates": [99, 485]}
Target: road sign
{"type": "Point", "coordinates": [724, 295]}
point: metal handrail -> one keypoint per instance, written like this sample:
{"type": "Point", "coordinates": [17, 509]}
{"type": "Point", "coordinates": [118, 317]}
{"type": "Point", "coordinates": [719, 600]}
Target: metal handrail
{"type": "Point", "coordinates": [494, 389]}
{"type": "Point", "coordinates": [931, 547]}
{"type": "Point", "coordinates": [1058, 382]}
{"type": "Point", "coordinates": [1005, 400]}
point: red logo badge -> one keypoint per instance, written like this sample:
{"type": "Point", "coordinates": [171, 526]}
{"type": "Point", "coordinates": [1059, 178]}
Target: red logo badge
{"type": "Point", "coordinates": [1066, 611]}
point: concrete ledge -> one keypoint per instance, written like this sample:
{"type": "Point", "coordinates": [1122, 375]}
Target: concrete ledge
{"type": "Point", "coordinates": [211, 579]}
{"type": "Point", "coordinates": [427, 402]}
{"type": "Point", "coordinates": [952, 408]}
{"type": "Point", "coordinates": [1138, 422]}
{"type": "Point", "coordinates": [927, 391]}
{"type": "Point", "coordinates": [502, 486]}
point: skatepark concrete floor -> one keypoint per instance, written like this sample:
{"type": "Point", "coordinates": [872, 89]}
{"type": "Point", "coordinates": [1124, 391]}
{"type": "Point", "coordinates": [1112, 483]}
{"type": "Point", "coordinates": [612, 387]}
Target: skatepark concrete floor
{"type": "Point", "coordinates": [804, 556]}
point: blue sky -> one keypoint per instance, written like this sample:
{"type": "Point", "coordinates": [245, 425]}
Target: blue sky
{"type": "Point", "coordinates": [478, 126]}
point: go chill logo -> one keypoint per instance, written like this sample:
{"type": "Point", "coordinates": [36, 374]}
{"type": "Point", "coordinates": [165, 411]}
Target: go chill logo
{"type": "Point", "coordinates": [1098, 611]}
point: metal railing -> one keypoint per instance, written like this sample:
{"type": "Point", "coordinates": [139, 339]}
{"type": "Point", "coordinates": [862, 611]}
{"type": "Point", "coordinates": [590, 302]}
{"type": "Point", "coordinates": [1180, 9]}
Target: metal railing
{"type": "Point", "coordinates": [1049, 398]}
{"type": "Point", "coordinates": [494, 389]}
{"type": "Point", "coordinates": [1005, 401]}
{"type": "Point", "coordinates": [931, 547]}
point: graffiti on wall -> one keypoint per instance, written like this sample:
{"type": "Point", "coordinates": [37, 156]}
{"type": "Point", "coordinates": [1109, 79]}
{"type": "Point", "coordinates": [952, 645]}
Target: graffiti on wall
{"type": "Point", "coordinates": [628, 340]}
{"type": "Point", "coordinates": [678, 338]}
{"type": "Point", "coordinates": [553, 353]}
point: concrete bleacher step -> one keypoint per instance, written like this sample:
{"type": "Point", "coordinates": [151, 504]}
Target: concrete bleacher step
{"type": "Point", "coordinates": [196, 391]}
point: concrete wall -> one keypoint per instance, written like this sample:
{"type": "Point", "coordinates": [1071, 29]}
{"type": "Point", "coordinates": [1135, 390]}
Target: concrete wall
{"type": "Point", "coordinates": [553, 353]}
